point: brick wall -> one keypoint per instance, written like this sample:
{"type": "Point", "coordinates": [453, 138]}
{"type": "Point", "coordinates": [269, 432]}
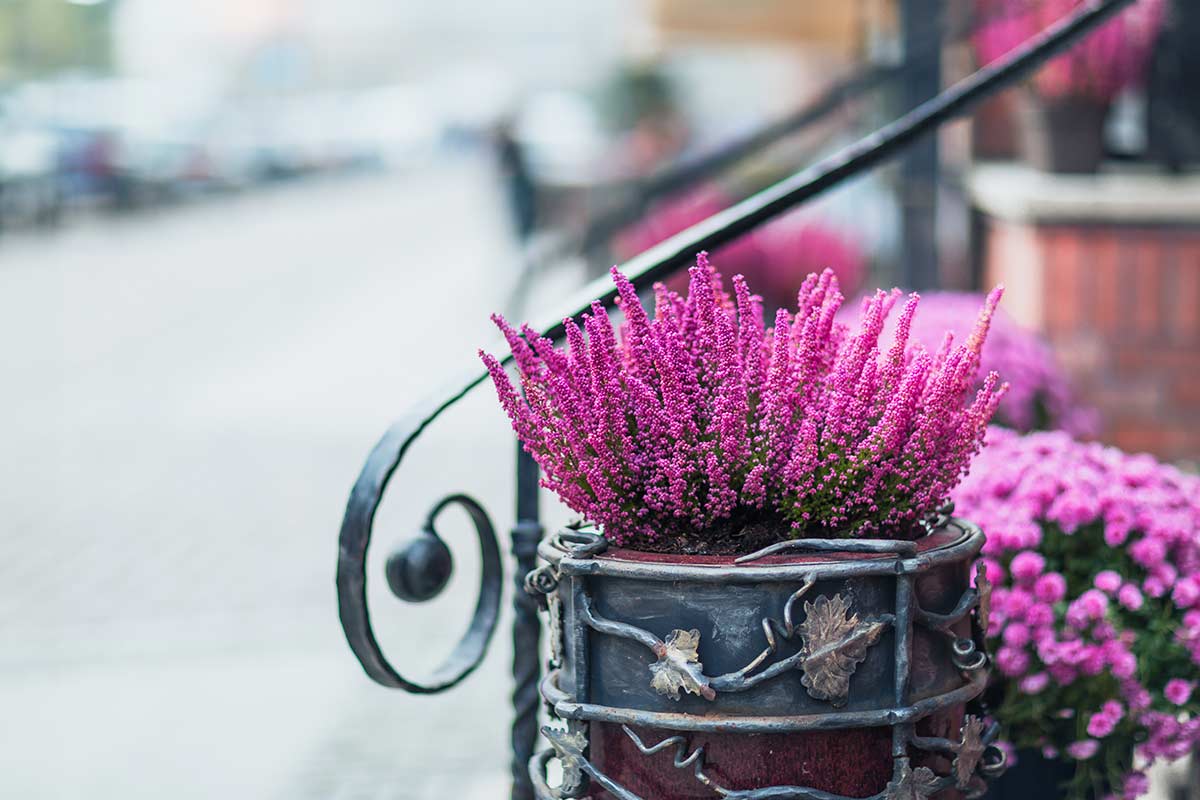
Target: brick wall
{"type": "Point", "coordinates": [1121, 306]}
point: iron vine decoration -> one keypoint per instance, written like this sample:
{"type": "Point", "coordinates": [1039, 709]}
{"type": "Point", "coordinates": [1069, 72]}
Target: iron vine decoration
{"type": "Point", "coordinates": [834, 643]}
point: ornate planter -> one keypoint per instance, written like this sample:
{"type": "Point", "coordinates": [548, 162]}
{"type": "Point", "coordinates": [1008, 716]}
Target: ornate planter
{"type": "Point", "coordinates": [815, 669]}
{"type": "Point", "coordinates": [1064, 135]}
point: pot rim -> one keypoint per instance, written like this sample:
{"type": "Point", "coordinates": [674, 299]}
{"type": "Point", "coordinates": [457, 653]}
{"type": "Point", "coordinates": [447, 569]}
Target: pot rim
{"type": "Point", "coordinates": [953, 540]}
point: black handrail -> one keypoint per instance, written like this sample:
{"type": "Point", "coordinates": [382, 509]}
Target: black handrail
{"type": "Point", "coordinates": [695, 168]}
{"type": "Point", "coordinates": [643, 270]}
{"type": "Point", "coordinates": [692, 169]}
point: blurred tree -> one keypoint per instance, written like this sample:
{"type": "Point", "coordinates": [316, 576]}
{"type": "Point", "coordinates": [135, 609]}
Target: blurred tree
{"type": "Point", "coordinates": [38, 37]}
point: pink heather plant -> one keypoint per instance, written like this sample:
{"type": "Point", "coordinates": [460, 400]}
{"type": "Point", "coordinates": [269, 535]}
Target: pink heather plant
{"type": "Point", "coordinates": [1096, 615]}
{"type": "Point", "coordinates": [702, 429]}
{"type": "Point", "coordinates": [1109, 60]}
{"type": "Point", "coordinates": [1039, 395]}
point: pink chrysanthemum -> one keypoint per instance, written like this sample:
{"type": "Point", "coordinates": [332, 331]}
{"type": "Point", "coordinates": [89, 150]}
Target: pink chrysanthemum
{"type": "Point", "coordinates": [1108, 621]}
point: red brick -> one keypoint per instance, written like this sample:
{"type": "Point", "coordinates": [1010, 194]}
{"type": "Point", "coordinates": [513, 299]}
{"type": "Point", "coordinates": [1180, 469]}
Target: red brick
{"type": "Point", "coordinates": [1148, 254]}
{"type": "Point", "coordinates": [1063, 284]}
{"type": "Point", "coordinates": [1143, 399]}
{"type": "Point", "coordinates": [1104, 255]}
{"type": "Point", "coordinates": [1142, 436]}
{"type": "Point", "coordinates": [1082, 352]}
{"type": "Point", "coordinates": [1185, 305]}
{"type": "Point", "coordinates": [1162, 360]}
{"type": "Point", "coordinates": [1121, 307]}
{"type": "Point", "coordinates": [1182, 443]}
{"type": "Point", "coordinates": [1187, 395]}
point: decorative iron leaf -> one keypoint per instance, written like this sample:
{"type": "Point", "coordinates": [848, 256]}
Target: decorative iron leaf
{"type": "Point", "coordinates": [835, 643]}
{"type": "Point", "coordinates": [969, 751]}
{"type": "Point", "coordinates": [912, 784]}
{"type": "Point", "coordinates": [569, 747]}
{"type": "Point", "coordinates": [678, 666]}
{"type": "Point", "coordinates": [984, 587]}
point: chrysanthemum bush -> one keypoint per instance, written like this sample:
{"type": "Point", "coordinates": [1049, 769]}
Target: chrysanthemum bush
{"type": "Point", "coordinates": [702, 429]}
{"type": "Point", "coordinates": [1096, 618]}
{"type": "Point", "coordinates": [1039, 395]}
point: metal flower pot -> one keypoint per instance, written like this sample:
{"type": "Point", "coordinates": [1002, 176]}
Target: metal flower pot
{"type": "Point", "coordinates": [814, 669]}
{"type": "Point", "coordinates": [1064, 135]}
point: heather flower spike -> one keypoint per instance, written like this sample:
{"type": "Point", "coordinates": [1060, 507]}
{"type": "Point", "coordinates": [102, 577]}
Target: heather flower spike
{"type": "Point", "coordinates": [1040, 395]}
{"type": "Point", "coordinates": [703, 419]}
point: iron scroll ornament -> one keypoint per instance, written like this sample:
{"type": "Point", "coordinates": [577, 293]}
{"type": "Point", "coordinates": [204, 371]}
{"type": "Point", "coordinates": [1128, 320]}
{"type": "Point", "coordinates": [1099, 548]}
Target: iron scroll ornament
{"type": "Point", "coordinates": [416, 572]}
{"type": "Point", "coordinates": [654, 264]}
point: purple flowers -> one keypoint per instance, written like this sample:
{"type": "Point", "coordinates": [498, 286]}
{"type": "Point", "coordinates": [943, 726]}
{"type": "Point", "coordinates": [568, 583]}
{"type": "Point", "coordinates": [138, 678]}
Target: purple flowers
{"type": "Point", "coordinates": [1130, 597]}
{"type": "Point", "coordinates": [1178, 691]}
{"type": "Point", "coordinates": [1083, 620]}
{"type": "Point", "coordinates": [1101, 725]}
{"type": "Point", "coordinates": [1083, 749]}
{"type": "Point", "coordinates": [704, 418]}
{"type": "Point", "coordinates": [1112, 58]}
{"type": "Point", "coordinates": [1050, 588]}
{"type": "Point", "coordinates": [1107, 581]}
{"type": "Point", "coordinates": [1027, 566]}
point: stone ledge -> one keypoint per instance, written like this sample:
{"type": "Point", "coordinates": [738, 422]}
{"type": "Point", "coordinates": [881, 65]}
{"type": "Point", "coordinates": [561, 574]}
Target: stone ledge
{"type": "Point", "coordinates": [1019, 193]}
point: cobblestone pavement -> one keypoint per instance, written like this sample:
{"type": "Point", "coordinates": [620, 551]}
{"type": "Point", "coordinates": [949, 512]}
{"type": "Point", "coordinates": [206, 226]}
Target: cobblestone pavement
{"type": "Point", "coordinates": [188, 397]}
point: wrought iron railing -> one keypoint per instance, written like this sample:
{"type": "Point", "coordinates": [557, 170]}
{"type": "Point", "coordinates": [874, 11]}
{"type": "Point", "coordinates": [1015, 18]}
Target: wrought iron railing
{"type": "Point", "coordinates": [420, 569]}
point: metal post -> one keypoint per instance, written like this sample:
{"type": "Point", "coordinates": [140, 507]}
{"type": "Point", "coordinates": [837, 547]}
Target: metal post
{"type": "Point", "coordinates": [919, 170]}
{"type": "Point", "coordinates": [526, 627]}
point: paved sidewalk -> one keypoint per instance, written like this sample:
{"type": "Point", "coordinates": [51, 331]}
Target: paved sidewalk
{"type": "Point", "coordinates": [189, 396]}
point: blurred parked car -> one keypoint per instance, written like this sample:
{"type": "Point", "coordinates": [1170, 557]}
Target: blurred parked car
{"type": "Point", "coordinates": [29, 191]}
{"type": "Point", "coordinates": [84, 141]}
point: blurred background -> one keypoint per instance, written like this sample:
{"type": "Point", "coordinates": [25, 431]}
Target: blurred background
{"type": "Point", "coordinates": [238, 239]}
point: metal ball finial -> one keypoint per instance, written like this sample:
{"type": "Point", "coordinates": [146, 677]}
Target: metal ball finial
{"type": "Point", "coordinates": [420, 569]}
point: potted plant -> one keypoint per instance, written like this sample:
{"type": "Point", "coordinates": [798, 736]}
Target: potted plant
{"type": "Point", "coordinates": [1039, 396]}
{"type": "Point", "coordinates": [1096, 611]}
{"type": "Point", "coordinates": [764, 601]}
{"type": "Point", "coordinates": [1062, 112]}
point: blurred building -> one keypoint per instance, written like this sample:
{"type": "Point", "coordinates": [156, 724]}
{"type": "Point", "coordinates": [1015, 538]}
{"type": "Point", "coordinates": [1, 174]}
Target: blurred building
{"type": "Point", "coordinates": [297, 44]}
{"type": "Point", "coordinates": [43, 36]}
